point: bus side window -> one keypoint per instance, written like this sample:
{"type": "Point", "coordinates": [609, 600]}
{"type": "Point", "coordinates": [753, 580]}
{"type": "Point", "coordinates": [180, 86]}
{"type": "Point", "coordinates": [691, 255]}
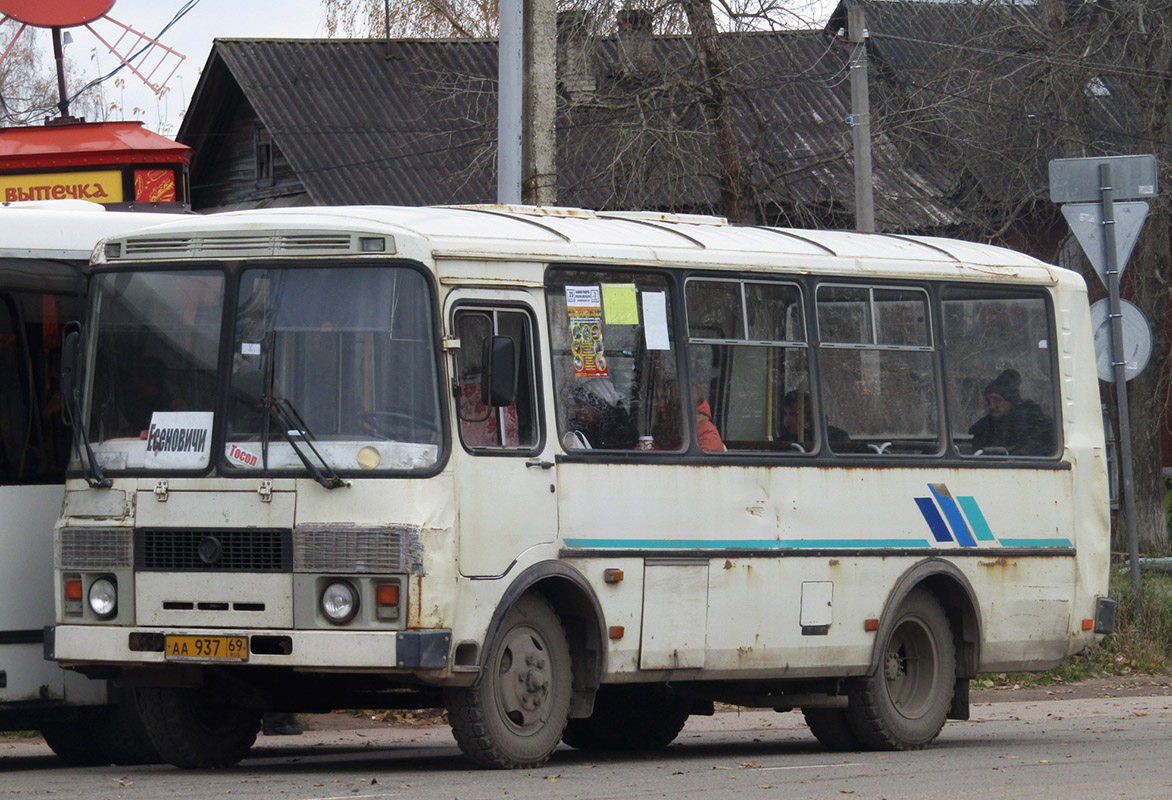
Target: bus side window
{"type": "Point", "coordinates": [747, 351]}
{"type": "Point", "coordinates": [482, 425]}
{"type": "Point", "coordinates": [34, 441]}
{"type": "Point", "coordinates": [878, 370]}
{"type": "Point", "coordinates": [999, 367]}
{"type": "Point", "coordinates": [614, 361]}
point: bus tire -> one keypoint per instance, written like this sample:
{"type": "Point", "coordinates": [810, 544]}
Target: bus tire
{"type": "Point", "coordinates": [629, 718]}
{"type": "Point", "coordinates": [903, 706]}
{"type": "Point", "coordinates": [197, 728]}
{"type": "Point", "coordinates": [832, 729]}
{"type": "Point", "coordinates": [514, 716]}
{"type": "Point", "coordinates": [125, 737]}
{"type": "Point", "coordinates": [76, 741]}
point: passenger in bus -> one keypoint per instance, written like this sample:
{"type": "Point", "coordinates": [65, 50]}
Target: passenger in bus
{"type": "Point", "coordinates": [597, 414]}
{"type": "Point", "coordinates": [798, 423]}
{"type": "Point", "coordinates": [667, 431]}
{"type": "Point", "coordinates": [1013, 425]}
{"type": "Point", "coordinates": [706, 432]}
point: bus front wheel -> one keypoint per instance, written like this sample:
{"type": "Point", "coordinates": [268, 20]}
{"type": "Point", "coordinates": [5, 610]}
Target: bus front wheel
{"type": "Point", "coordinates": [903, 706]}
{"type": "Point", "coordinates": [832, 728]}
{"type": "Point", "coordinates": [197, 728]}
{"type": "Point", "coordinates": [514, 716]}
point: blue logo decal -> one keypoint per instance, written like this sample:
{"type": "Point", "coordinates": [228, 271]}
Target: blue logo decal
{"type": "Point", "coordinates": [956, 519]}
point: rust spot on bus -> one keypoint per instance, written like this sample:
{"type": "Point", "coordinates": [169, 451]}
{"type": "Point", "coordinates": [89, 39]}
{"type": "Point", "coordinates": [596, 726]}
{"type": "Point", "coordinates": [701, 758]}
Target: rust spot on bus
{"type": "Point", "coordinates": [834, 562]}
{"type": "Point", "coordinates": [1000, 561]}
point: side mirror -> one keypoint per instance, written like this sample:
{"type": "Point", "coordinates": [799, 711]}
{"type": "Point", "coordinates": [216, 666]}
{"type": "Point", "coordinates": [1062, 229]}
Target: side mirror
{"type": "Point", "coordinates": [69, 361]}
{"type": "Point", "coordinates": [498, 383]}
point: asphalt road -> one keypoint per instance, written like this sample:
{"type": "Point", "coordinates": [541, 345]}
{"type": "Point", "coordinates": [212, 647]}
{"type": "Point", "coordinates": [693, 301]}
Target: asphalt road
{"type": "Point", "coordinates": [1109, 739]}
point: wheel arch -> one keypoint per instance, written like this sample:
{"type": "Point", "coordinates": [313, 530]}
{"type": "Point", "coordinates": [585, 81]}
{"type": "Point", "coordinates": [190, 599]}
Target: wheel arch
{"type": "Point", "coordinates": [956, 595]}
{"type": "Point", "coordinates": [575, 602]}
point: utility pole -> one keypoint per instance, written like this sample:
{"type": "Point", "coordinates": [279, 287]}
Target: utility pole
{"type": "Point", "coordinates": [538, 141]}
{"type": "Point", "coordinates": [527, 102]}
{"type": "Point", "coordinates": [861, 119]}
{"type": "Point", "coordinates": [510, 87]}
{"type": "Point", "coordinates": [59, 57]}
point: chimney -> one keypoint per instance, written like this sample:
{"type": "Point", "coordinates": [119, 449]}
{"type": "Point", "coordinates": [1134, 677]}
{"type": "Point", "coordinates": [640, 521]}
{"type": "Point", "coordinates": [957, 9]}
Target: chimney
{"type": "Point", "coordinates": [635, 27]}
{"type": "Point", "coordinates": [574, 69]}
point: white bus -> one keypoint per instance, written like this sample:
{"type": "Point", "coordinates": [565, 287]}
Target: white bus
{"type": "Point", "coordinates": [575, 475]}
{"type": "Point", "coordinates": [45, 250]}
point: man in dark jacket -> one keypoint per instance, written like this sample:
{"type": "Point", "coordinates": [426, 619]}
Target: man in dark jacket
{"type": "Point", "coordinates": [1013, 426]}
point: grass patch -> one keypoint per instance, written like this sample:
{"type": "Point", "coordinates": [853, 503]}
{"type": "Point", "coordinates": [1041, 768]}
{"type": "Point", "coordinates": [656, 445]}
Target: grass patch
{"type": "Point", "coordinates": [1138, 646]}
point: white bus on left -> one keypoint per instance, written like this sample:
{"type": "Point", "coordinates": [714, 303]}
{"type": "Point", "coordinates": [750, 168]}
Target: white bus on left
{"type": "Point", "coordinates": [44, 252]}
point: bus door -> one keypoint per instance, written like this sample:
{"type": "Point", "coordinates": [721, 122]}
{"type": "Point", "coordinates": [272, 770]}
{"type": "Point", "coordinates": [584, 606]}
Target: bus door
{"type": "Point", "coordinates": [503, 462]}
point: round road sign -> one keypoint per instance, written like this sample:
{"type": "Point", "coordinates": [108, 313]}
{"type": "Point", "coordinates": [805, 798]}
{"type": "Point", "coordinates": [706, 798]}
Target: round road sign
{"type": "Point", "coordinates": [1137, 339]}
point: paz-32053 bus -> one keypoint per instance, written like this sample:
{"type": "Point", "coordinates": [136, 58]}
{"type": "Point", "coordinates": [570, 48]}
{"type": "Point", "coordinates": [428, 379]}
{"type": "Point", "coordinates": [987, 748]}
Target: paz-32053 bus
{"type": "Point", "coordinates": [575, 476]}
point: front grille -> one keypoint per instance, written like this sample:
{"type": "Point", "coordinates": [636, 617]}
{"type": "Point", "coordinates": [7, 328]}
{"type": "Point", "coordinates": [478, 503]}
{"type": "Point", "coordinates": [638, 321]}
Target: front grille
{"type": "Point", "coordinates": [346, 548]}
{"type": "Point", "coordinates": [213, 550]}
{"type": "Point", "coordinates": [93, 548]}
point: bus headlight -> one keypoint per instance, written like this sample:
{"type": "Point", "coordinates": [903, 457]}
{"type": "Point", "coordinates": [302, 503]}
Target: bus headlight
{"type": "Point", "coordinates": [103, 598]}
{"type": "Point", "coordinates": [339, 602]}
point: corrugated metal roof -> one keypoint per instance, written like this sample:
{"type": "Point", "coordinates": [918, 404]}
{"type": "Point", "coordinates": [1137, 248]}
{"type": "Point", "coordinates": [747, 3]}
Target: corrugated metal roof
{"type": "Point", "coordinates": [419, 127]}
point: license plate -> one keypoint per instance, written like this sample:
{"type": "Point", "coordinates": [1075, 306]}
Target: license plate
{"type": "Point", "coordinates": [206, 648]}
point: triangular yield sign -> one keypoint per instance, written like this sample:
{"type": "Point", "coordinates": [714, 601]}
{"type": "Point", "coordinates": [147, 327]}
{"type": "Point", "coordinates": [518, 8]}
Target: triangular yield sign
{"type": "Point", "coordinates": [1086, 222]}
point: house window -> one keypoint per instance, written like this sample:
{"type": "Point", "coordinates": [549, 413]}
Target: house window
{"type": "Point", "coordinates": [265, 153]}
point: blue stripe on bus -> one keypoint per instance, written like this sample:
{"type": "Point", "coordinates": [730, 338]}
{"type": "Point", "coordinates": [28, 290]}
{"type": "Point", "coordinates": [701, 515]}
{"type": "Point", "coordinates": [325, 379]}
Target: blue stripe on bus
{"type": "Point", "coordinates": [744, 544]}
{"type": "Point", "coordinates": [933, 518]}
{"type": "Point", "coordinates": [1036, 543]}
{"type": "Point", "coordinates": [955, 519]}
{"type": "Point", "coordinates": [976, 519]}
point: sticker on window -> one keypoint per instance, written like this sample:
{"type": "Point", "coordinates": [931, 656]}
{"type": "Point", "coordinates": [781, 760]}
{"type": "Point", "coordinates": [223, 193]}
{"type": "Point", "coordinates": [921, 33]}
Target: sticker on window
{"type": "Point", "coordinates": [655, 320]}
{"type": "Point", "coordinates": [584, 309]}
{"type": "Point", "coordinates": [179, 440]}
{"type": "Point", "coordinates": [241, 456]}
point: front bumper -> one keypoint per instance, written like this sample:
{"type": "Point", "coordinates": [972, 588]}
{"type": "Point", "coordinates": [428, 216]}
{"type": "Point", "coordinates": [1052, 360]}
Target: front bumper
{"type": "Point", "coordinates": [93, 645]}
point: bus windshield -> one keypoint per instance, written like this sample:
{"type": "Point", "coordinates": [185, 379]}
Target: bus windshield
{"type": "Point", "coordinates": [328, 370]}
{"type": "Point", "coordinates": [156, 342]}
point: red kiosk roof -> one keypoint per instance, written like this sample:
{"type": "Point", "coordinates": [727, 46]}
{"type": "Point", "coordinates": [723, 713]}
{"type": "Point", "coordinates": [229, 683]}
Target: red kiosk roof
{"type": "Point", "coordinates": [87, 144]}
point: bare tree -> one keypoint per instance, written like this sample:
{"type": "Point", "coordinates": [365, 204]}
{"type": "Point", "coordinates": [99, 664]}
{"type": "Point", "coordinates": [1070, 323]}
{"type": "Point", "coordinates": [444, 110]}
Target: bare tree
{"type": "Point", "coordinates": [465, 19]}
{"type": "Point", "coordinates": [28, 82]}
{"type": "Point", "coordinates": [981, 94]}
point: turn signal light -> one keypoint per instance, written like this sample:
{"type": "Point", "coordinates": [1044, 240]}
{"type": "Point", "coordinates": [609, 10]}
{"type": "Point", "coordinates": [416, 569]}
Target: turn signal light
{"type": "Point", "coordinates": [617, 631]}
{"type": "Point", "coordinates": [387, 594]}
{"type": "Point", "coordinates": [1088, 624]}
{"type": "Point", "coordinates": [871, 625]}
{"type": "Point", "coordinates": [386, 601]}
{"type": "Point", "coordinates": [72, 590]}
{"type": "Point", "coordinates": [612, 575]}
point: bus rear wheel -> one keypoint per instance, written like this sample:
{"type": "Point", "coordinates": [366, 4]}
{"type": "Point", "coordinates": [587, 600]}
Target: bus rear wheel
{"type": "Point", "coordinates": [904, 705]}
{"type": "Point", "coordinates": [628, 718]}
{"type": "Point", "coordinates": [197, 728]}
{"type": "Point", "coordinates": [514, 716]}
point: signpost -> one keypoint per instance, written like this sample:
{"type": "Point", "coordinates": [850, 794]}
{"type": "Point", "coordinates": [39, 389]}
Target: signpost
{"type": "Point", "coordinates": [1094, 184]}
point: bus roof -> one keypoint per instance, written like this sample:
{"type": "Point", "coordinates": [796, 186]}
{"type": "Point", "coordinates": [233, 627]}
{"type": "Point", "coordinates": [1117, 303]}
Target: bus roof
{"type": "Point", "coordinates": [66, 229]}
{"type": "Point", "coordinates": [526, 233]}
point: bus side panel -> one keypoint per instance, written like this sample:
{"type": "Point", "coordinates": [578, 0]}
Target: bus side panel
{"type": "Point", "coordinates": [27, 514]}
{"type": "Point", "coordinates": [1009, 531]}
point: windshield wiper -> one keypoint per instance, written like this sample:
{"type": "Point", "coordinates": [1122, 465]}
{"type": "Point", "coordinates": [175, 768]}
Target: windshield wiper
{"type": "Point", "coordinates": [71, 406]}
{"type": "Point", "coordinates": [287, 416]}
{"type": "Point", "coordinates": [93, 473]}
{"type": "Point", "coordinates": [295, 428]}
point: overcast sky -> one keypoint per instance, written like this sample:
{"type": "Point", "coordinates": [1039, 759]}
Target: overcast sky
{"type": "Point", "coordinates": [192, 36]}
